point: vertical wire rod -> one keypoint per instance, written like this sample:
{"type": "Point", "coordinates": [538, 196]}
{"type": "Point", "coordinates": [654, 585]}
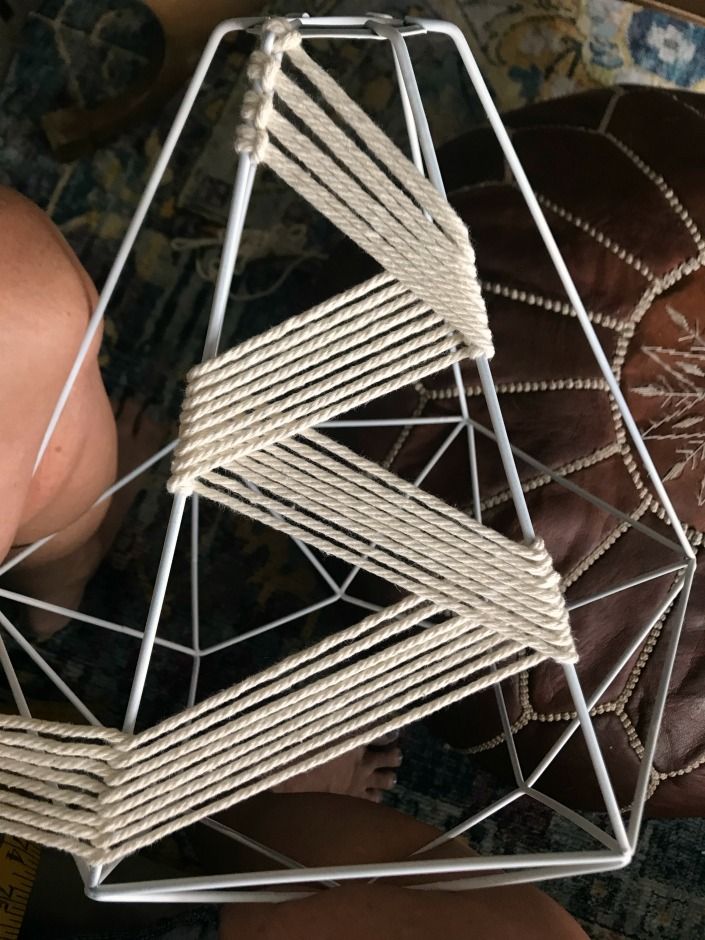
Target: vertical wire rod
{"type": "Point", "coordinates": [14, 683]}
{"type": "Point", "coordinates": [51, 674]}
{"type": "Point", "coordinates": [138, 218]}
{"type": "Point", "coordinates": [596, 758]}
{"type": "Point", "coordinates": [155, 610]}
{"type": "Point", "coordinates": [195, 603]}
{"type": "Point", "coordinates": [434, 174]}
{"type": "Point", "coordinates": [659, 706]}
{"type": "Point", "coordinates": [630, 651]}
{"type": "Point", "coordinates": [461, 44]}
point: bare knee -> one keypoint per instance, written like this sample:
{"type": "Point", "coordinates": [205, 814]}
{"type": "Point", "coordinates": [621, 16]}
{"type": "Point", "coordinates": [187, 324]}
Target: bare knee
{"type": "Point", "coordinates": [45, 303]}
{"type": "Point", "coordinates": [44, 286]}
{"type": "Point", "coordinates": [324, 829]}
{"type": "Point", "coordinates": [378, 912]}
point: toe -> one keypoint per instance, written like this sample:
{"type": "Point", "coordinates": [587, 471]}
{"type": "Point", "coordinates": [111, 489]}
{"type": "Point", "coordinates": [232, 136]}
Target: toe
{"type": "Point", "coordinates": [394, 757]}
{"type": "Point", "coordinates": [383, 780]}
{"type": "Point", "coordinates": [384, 757]}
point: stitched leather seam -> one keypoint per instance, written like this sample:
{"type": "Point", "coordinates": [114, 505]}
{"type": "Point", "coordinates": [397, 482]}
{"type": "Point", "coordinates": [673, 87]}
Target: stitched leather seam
{"type": "Point", "coordinates": [618, 250]}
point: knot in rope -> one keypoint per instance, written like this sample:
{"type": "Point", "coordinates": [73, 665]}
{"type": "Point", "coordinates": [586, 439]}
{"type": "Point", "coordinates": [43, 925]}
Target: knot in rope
{"type": "Point", "coordinates": [287, 37]}
{"type": "Point", "coordinates": [258, 104]}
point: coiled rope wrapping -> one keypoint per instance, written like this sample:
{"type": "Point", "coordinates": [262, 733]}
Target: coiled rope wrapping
{"type": "Point", "coordinates": [350, 171]}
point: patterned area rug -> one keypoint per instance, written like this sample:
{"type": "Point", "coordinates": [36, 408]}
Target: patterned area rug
{"type": "Point", "coordinates": [73, 52]}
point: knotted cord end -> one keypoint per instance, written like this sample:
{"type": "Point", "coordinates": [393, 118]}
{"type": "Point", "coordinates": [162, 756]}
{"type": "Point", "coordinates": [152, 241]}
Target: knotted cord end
{"type": "Point", "coordinates": [258, 105]}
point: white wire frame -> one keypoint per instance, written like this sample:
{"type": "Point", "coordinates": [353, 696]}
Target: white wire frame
{"type": "Point", "coordinates": [617, 846]}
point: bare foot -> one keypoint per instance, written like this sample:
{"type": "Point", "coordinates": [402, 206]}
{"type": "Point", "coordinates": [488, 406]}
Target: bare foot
{"type": "Point", "coordinates": [365, 772]}
{"type": "Point", "coordinates": [59, 573]}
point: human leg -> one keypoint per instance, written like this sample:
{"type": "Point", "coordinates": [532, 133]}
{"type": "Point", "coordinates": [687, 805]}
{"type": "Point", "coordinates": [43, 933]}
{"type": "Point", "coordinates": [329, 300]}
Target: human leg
{"type": "Point", "coordinates": [45, 304]}
{"type": "Point", "coordinates": [319, 830]}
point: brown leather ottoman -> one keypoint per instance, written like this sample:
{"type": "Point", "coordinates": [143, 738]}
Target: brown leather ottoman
{"type": "Point", "coordinates": [621, 176]}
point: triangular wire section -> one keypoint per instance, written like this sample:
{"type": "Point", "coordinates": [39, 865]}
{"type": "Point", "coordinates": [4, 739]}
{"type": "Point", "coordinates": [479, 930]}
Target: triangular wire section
{"type": "Point", "coordinates": [478, 609]}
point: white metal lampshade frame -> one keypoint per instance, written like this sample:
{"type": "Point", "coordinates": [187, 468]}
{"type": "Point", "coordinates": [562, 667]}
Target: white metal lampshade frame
{"type": "Point", "coordinates": [616, 846]}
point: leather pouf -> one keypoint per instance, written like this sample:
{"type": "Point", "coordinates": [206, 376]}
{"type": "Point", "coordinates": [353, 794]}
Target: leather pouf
{"type": "Point", "coordinates": [620, 174]}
